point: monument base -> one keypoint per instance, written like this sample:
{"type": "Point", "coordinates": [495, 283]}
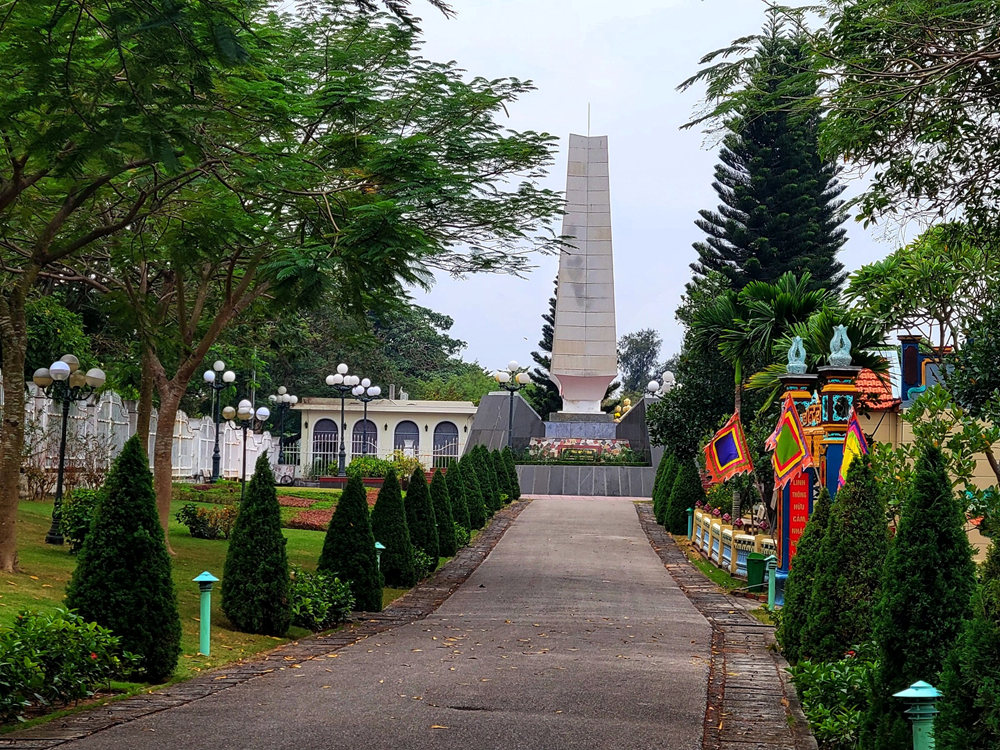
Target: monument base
{"type": "Point", "coordinates": [589, 430]}
{"type": "Point", "coordinates": [571, 416]}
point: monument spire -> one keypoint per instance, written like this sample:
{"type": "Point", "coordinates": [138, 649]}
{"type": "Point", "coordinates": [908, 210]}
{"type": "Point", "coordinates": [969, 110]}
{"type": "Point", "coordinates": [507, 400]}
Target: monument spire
{"type": "Point", "coordinates": [584, 352]}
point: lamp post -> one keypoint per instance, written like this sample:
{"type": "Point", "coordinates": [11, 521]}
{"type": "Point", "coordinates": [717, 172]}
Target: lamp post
{"type": "Point", "coordinates": [365, 392]}
{"type": "Point", "coordinates": [248, 418]}
{"type": "Point", "coordinates": [343, 383]}
{"type": "Point", "coordinates": [656, 389]}
{"type": "Point", "coordinates": [212, 381]}
{"type": "Point", "coordinates": [511, 380]}
{"type": "Point", "coordinates": [283, 401]}
{"type": "Point", "coordinates": [64, 383]}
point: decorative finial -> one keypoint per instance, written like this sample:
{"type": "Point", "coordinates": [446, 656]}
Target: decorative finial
{"type": "Point", "coordinates": [796, 357]}
{"type": "Point", "coordinates": [840, 348]}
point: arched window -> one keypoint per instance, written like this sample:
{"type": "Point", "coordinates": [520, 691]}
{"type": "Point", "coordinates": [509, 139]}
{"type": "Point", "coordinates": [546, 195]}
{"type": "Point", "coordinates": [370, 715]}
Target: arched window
{"type": "Point", "coordinates": [407, 438]}
{"type": "Point", "coordinates": [364, 439]}
{"type": "Point", "coordinates": [445, 444]}
{"type": "Point", "coordinates": [325, 445]}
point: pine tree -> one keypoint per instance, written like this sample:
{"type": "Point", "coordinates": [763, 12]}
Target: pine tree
{"type": "Point", "coordinates": [349, 548]}
{"type": "Point", "coordinates": [500, 472]}
{"type": "Point", "coordinates": [544, 395]}
{"type": "Point", "coordinates": [255, 580]}
{"type": "Point", "coordinates": [420, 515]}
{"type": "Point", "coordinates": [848, 573]}
{"type": "Point", "coordinates": [473, 492]}
{"type": "Point", "coordinates": [459, 506]}
{"type": "Point", "coordinates": [927, 583]}
{"type": "Point", "coordinates": [491, 498]}
{"type": "Point", "coordinates": [685, 493]}
{"type": "Point", "coordinates": [511, 467]}
{"type": "Point", "coordinates": [122, 579]}
{"type": "Point", "coordinates": [799, 584]}
{"type": "Point", "coordinates": [389, 527]}
{"type": "Point", "coordinates": [970, 709]}
{"type": "Point", "coordinates": [663, 484]}
{"type": "Point", "coordinates": [779, 198]}
{"type": "Point", "coordinates": [442, 515]}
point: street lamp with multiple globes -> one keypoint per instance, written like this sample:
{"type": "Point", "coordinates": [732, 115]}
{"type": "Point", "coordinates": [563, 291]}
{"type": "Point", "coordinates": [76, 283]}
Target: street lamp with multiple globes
{"type": "Point", "coordinates": [511, 380]}
{"type": "Point", "coordinates": [248, 419]}
{"type": "Point", "coordinates": [656, 390]}
{"type": "Point", "coordinates": [64, 383]}
{"type": "Point", "coordinates": [365, 392]}
{"type": "Point", "coordinates": [283, 401]}
{"type": "Point", "coordinates": [212, 380]}
{"type": "Point", "coordinates": [343, 384]}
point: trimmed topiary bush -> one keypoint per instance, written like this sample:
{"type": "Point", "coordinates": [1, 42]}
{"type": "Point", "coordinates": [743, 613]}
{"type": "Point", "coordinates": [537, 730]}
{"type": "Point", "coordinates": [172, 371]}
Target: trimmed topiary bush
{"type": "Point", "coordinates": [123, 580]}
{"type": "Point", "coordinates": [349, 548]}
{"type": "Point", "coordinates": [500, 471]}
{"type": "Point", "coordinates": [799, 584]}
{"type": "Point", "coordinates": [686, 491]}
{"type": "Point", "coordinates": [927, 583]}
{"type": "Point", "coordinates": [511, 467]}
{"type": "Point", "coordinates": [255, 583]}
{"type": "Point", "coordinates": [473, 492]}
{"type": "Point", "coordinates": [487, 482]}
{"type": "Point", "coordinates": [849, 571]}
{"type": "Point", "coordinates": [390, 528]}
{"type": "Point", "coordinates": [456, 493]}
{"type": "Point", "coordinates": [442, 515]}
{"type": "Point", "coordinates": [663, 483]}
{"type": "Point", "coordinates": [420, 516]}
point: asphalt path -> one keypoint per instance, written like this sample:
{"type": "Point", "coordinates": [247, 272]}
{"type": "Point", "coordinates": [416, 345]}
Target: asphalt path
{"type": "Point", "coordinates": [571, 634]}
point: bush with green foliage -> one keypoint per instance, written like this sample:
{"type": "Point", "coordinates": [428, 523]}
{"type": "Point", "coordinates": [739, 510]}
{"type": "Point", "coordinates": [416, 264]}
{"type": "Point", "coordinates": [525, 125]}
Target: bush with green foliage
{"type": "Point", "coordinates": [503, 481]}
{"type": "Point", "coordinates": [663, 483]}
{"type": "Point", "coordinates": [319, 601]}
{"type": "Point", "coordinates": [848, 571]}
{"type": "Point", "coordinates": [420, 516]}
{"type": "Point", "coordinates": [255, 579]}
{"type": "Point", "coordinates": [424, 563]}
{"type": "Point", "coordinates": [404, 464]}
{"type": "Point", "coordinates": [473, 492]}
{"type": "Point", "coordinates": [456, 493]}
{"type": "Point", "coordinates": [835, 696]}
{"type": "Point", "coordinates": [799, 584]}
{"type": "Point", "coordinates": [462, 536]}
{"type": "Point", "coordinates": [685, 493]}
{"type": "Point", "coordinates": [57, 657]}
{"type": "Point", "coordinates": [389, 527]}
{"type": "Point", "coordinates": [489, 490]}
{"type": "Point", "coordinates": [369, 466]}
{"type": "Point", "coordinates": [927, 583]}
{"type": "Point", "coordinates": [123, 579]}
{"type": "Point", "coordinates": [78, 509]}
{"type": "Point", "coordinates": [208, 523]}
{"type": "Point", "coordinates": [512, 481]}
{"type": "Point", "coordinates": [349, 548]}
{"type": "Point", "coordinates": [442, 515]}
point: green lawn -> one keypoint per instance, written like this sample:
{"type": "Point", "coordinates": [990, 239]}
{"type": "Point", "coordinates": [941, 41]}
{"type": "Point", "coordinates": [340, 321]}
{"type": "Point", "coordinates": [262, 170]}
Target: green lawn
{"type": "Point", "coordinates": [719, 577]}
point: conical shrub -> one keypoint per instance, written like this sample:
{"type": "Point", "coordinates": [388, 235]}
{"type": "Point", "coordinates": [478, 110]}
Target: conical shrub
{"type": "Point", "coordinates": [255, 580]}
{"type": "Point", "coordinates": [442, 515]}
{"type": "Point", "coordinates": [663, 485]}
{"type": "Point", "coordinates": [501, 474]}
{"type": "Point", "coordinates": [389, 527]}
{"type": "Point", "coordinates": [799, 584]}
{"type": "Point", "coordinates": [511, 467]}
{"type": "Point", "coordinates": [473, 492]}
{"type": "Point", "coordinates": [420, 515]}
{"type": "Point", "coordinates": [685, 493]}
{"type": "Point", "coordinates": [848, 575]}
{"type": "Point", "coordinates": [122, 579]}
{"type": "Point", "coordinates": [491, 498]}
{"type": "Point", "coordinates": [349, 548]}
{"type": "Point", "coordinates": [459, 507]}
{"type": "Point", "coordinates": [927, 583]}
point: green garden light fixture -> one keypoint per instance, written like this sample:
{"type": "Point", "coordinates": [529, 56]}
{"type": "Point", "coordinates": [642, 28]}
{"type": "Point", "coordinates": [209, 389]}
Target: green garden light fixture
{"type": "Point", "coordinates": [379, 547]}
{"type": "Point", "coordinates": [205, 581]}
{"type": "Point", "coordinates": [690, 512]}
{"type": "Point", "coordinates": [922, 698]}
{"type": "Point", "coordinates": [771, 564]}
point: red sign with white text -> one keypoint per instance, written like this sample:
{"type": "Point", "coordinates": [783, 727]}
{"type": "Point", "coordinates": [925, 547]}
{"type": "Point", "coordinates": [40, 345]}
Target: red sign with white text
{"type": "Point", "coordinates": [798, 507]}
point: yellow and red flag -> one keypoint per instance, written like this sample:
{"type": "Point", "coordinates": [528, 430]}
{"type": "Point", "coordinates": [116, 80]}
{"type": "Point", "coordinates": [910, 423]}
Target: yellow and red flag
{"type": "Point", "coordinates": [791, 454]}
{"type": "Point", "coordinates": [726, 454]}
{"type": "Point", "coordinates": [855, 446]}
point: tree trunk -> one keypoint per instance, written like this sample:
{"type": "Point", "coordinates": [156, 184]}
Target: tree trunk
{"type": "Point", "coordinates": [144, 414]}
{"type": "Point", "coordinates": [13, 336]}
{"type": "Point", "coordinates": [163, 444]}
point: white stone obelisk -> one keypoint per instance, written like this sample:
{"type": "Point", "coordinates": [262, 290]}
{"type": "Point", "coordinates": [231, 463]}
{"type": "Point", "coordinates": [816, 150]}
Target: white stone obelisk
{"type": "Point", "coordinates": [584, 352]}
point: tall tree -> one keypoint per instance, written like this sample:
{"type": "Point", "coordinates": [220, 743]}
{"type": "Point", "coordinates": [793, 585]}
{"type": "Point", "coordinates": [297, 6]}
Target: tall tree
{"type": "Point", "coordinates": [638, 355]}
{"type": "Point", "coordinates": [544, 394]}
{"type": "Point", "coordinates": [779, 208]}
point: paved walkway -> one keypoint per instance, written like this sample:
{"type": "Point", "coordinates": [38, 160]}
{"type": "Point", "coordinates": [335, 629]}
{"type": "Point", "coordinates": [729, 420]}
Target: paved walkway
{"type": "Point", "coordinates": [570, 634]}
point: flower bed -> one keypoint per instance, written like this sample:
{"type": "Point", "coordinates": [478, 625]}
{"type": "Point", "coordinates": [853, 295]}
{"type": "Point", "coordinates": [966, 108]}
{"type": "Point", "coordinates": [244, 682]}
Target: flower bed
{"type": "Point", "coordinates": [295, 502]}
{"type": "Point", "coordinates": [311, 520]}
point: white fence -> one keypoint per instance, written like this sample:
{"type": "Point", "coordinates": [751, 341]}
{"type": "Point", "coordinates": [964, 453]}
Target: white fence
{"type": "Point", "coordinates": [96, 433]}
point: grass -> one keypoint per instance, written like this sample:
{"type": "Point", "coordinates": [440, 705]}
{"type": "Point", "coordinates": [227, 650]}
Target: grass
{"type": "Point", "coordinates": [719, 577]}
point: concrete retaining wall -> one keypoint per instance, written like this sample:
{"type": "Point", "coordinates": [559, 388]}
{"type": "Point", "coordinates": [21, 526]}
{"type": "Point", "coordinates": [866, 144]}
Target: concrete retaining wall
{"type": "Point", "coordinates": [613, 481]}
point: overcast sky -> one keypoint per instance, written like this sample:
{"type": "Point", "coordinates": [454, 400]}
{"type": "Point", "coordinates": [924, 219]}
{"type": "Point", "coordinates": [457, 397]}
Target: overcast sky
{"type": "Point", "coordinates": [624, 59]}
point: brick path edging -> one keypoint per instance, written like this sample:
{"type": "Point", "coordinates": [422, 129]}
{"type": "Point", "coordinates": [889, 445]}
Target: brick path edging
{"type": "Point", "coordinates": [752, 704]}
{"type": "Point", "coordinates": [416, 604]}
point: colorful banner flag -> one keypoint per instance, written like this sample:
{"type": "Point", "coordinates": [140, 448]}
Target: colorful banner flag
{"type": "Point", "coordinates": [855, 445]}
{"type": "Point", "coordinates": [791, 454]}
{"type": "Point", "coordinates": [726, 454]}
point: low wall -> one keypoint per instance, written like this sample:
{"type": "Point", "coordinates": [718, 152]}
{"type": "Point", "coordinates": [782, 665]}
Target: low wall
{"type": "Point", "coordinates": [727, 547]}
{"type": "Point", "coordinates": [610, 481]}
